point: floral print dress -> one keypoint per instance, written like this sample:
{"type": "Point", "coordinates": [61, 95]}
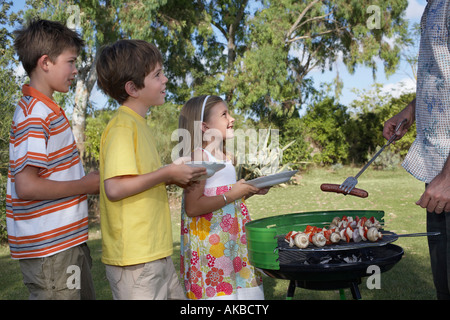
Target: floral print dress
{"type": "Point", "coordinates": [214, 258]}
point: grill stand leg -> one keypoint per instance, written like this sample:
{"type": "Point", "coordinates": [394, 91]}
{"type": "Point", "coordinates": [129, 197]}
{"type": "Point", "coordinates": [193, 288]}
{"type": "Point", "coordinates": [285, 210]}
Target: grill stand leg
{"type": "Point", "coordinates": [291, 290]}
{"type": "Point", "coordinates": [353, 288]}
{"type": "Point", "coordinates": [355, 291]}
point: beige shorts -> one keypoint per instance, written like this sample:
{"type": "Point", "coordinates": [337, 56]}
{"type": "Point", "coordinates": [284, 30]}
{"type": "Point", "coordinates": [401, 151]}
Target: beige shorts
{"type": "Point", "coordinates": [63, 276]}
{"type": "Point", "coordinates": [155, 280]}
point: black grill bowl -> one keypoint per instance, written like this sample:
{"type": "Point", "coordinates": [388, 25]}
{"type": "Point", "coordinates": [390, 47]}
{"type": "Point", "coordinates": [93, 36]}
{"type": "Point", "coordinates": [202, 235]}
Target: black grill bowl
{"type": "Point", "coordinates": [293, 267]}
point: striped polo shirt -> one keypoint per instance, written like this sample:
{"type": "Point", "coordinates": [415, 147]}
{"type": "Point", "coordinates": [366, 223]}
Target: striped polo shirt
{"type": "Point", "coordinates": [41, 136]}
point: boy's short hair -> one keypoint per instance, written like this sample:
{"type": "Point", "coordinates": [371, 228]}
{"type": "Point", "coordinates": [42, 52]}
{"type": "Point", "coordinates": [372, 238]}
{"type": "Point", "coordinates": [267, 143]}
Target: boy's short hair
{"type": "Point", "coordinates": [123, 61]}
{"type": "Point", "coordinates": [44, 37]}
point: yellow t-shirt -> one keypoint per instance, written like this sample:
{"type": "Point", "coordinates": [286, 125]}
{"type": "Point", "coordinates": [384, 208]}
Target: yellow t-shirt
{"type": "Point", "coordinates": [136, 229]}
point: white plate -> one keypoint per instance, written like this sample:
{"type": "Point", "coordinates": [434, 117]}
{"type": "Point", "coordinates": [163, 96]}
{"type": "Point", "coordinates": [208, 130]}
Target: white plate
{"type": "Point", "coordinates": [273, 179]}
{"type": "Point", "coordinates": [211, 167]}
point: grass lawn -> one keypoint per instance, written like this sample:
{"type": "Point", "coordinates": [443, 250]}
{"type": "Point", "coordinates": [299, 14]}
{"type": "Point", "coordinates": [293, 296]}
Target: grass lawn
{"type": "Point", "coordinates": [393, 192]}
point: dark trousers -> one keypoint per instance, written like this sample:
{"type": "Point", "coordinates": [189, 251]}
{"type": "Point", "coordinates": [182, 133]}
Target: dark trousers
{"type": "Point", "coordinates": [439, 247]}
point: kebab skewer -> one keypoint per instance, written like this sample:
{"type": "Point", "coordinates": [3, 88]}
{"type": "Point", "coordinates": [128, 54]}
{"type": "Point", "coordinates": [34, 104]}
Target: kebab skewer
{"type": "Point", "coordinates": [341, 229]}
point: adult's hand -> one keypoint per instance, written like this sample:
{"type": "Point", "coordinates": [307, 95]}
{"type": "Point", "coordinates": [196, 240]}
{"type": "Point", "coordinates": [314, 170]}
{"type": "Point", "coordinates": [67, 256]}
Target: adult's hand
{"type": "Point", "coordinates": [408, 113]}
{"type": "Point", "coordinates": [436, 197]}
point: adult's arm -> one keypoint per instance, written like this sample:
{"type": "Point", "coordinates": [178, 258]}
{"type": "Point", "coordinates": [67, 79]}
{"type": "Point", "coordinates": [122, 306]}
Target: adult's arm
{"type": "Point", "coordinates": [436, 197]}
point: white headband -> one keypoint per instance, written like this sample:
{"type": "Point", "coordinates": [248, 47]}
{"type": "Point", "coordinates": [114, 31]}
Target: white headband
{"type": "Point", "coordinates": [203, 107]}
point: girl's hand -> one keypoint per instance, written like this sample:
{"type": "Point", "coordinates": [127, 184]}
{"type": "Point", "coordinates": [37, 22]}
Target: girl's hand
{"type": "Point", "coordinates": [263, 191]}
{"type": "Point", "coordinates": [241, 189]}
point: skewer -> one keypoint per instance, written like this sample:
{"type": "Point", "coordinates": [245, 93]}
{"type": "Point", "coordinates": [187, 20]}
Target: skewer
{"type": "Point", "coordinates": [419, 234]}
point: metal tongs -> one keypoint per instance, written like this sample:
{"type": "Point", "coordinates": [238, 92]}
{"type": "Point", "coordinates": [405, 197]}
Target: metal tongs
{"type": "Point", "coordinates": [349, 183]}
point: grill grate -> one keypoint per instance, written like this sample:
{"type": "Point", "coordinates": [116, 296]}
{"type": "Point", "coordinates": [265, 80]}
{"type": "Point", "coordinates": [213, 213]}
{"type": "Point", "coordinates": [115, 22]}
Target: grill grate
{"type": "Point", "coordinates": [323, 257]}
{"type": "Point", "coordinates": [388, 237]}
{"type": "Point", "coordinates": [328, 256]}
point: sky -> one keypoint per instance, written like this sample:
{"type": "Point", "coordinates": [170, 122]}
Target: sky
{"type": "Point", "coordinates": [362, 79]}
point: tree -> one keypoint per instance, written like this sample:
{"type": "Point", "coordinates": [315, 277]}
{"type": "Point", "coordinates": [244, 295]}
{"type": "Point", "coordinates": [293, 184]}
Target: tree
{"type": "Point", "coordinates": [261, 67]}
{"type": "Point", "coordinates": [325, 123]}
{"type": "Point", "coordinates": [9, 95]}
{"type": "Point", "coordinates": [289, 38]}
{"type": "Point", "coordinates": [369, 113]}
{"type": "Point", "coordinates": [10, 91]}
{"type": "Point", "coordinates": [229, 18]}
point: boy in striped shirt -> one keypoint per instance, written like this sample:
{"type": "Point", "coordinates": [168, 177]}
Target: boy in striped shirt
{"type": "Point", "coordinates": [46, 205]}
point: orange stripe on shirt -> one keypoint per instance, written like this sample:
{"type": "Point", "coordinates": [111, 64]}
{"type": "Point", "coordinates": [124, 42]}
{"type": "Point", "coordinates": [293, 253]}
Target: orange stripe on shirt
{"type": "Point", "coordinates": [49, 234]}
{"type": "Point", "coordinates": [37, 135]}
{"type": "Point", "coordinates": [60, 129]}
{"type": "Point", "coordinates": [31, 105]}
{"type": "Point", "coordinates": [51, 249]}
{"type": "Point", "coordinates": [29, 156]}
{"type": "Point", "coordinates": [49, 209]}
{"type": "Point", "coordinates": [32, 121]}
{"type": "Point", "coordinates": [62, 152]}
{"type": "Point", "coordinates": [48, 172]}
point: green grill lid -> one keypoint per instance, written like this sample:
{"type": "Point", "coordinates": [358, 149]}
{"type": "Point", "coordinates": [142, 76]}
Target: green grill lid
{"type": "Point", "coordinates": [262, 233]}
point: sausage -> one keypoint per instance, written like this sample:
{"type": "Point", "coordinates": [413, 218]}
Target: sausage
{"type": "Point", "coordinates": [328, 187]}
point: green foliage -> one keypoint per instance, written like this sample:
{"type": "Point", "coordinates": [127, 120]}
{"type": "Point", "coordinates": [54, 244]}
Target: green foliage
{"type": "Point", "coordinates": [325, 123]}
{"type": "Point", "coordinates": [9, 95]}
{"type": "Point", "coordinates": [163, 121]}
{"type": "Point", "coordinates": [346, 135]}
{"type": "Point", "coordinates": [394, 106]}
{"type": "Point", "coordinates": [288, 38]}
{"type": "Point", "coordinates": [370, 111]}
{"type": "Point", "coordinates": [10, 91]}
{"type": "Point", "coordinates": [3, 232]}
{"type": "Point", "coordinates": [95, 126]}
{"type": "Point", "coordinates": [300, 150]}
{"type": "Point", "coordinates": [364, 134]}
{"type": "Point", "coordinates": [266, 160]}
{"type": "Point", "coordinates": [258, 55]}
{"type": "Point", "coordinates": [387, 160]}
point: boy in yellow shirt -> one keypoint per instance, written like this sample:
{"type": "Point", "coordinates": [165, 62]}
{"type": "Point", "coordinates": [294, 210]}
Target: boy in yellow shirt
{"type": "Point", "coordinates": [135, 216]}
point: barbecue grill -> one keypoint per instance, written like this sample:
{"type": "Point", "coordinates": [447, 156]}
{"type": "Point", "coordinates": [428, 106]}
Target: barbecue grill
{"type": "Point", "coordinates": [331, 267]}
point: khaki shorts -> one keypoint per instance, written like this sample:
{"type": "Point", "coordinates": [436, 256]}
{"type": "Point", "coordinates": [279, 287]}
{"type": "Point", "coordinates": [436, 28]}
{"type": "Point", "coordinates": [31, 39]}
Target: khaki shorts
{"type": "Point", "coordinates": [63, 276]}
{"type": "Point", "coordinates": [155, 280]}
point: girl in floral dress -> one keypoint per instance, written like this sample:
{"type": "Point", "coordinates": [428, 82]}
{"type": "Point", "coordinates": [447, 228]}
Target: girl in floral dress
{"type": "Point", "coordinates": [214, 258]}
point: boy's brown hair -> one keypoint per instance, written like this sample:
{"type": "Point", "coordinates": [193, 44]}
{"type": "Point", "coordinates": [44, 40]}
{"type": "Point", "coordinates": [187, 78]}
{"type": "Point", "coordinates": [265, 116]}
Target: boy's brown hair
{"type": "Point", "coordinates": [123, 61]}
{"type": "Point", "coordinates": [44, 37]}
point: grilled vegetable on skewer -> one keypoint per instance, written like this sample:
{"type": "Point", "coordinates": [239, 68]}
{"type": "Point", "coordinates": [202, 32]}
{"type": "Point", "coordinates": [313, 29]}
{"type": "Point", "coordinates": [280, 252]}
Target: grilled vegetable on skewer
{"type": "Point", "coordinates": [318, 239]}
{"type": "Point", "coordinates": [301, 240]}
{"type": "Point", "coordinates": [346, 229]}
{"type": "Point", "coordinates": [373, 234]}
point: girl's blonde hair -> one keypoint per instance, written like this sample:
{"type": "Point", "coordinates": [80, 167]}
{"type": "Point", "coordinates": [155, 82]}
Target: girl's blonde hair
{"type": "Point", "coordinates": [190, 117]}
